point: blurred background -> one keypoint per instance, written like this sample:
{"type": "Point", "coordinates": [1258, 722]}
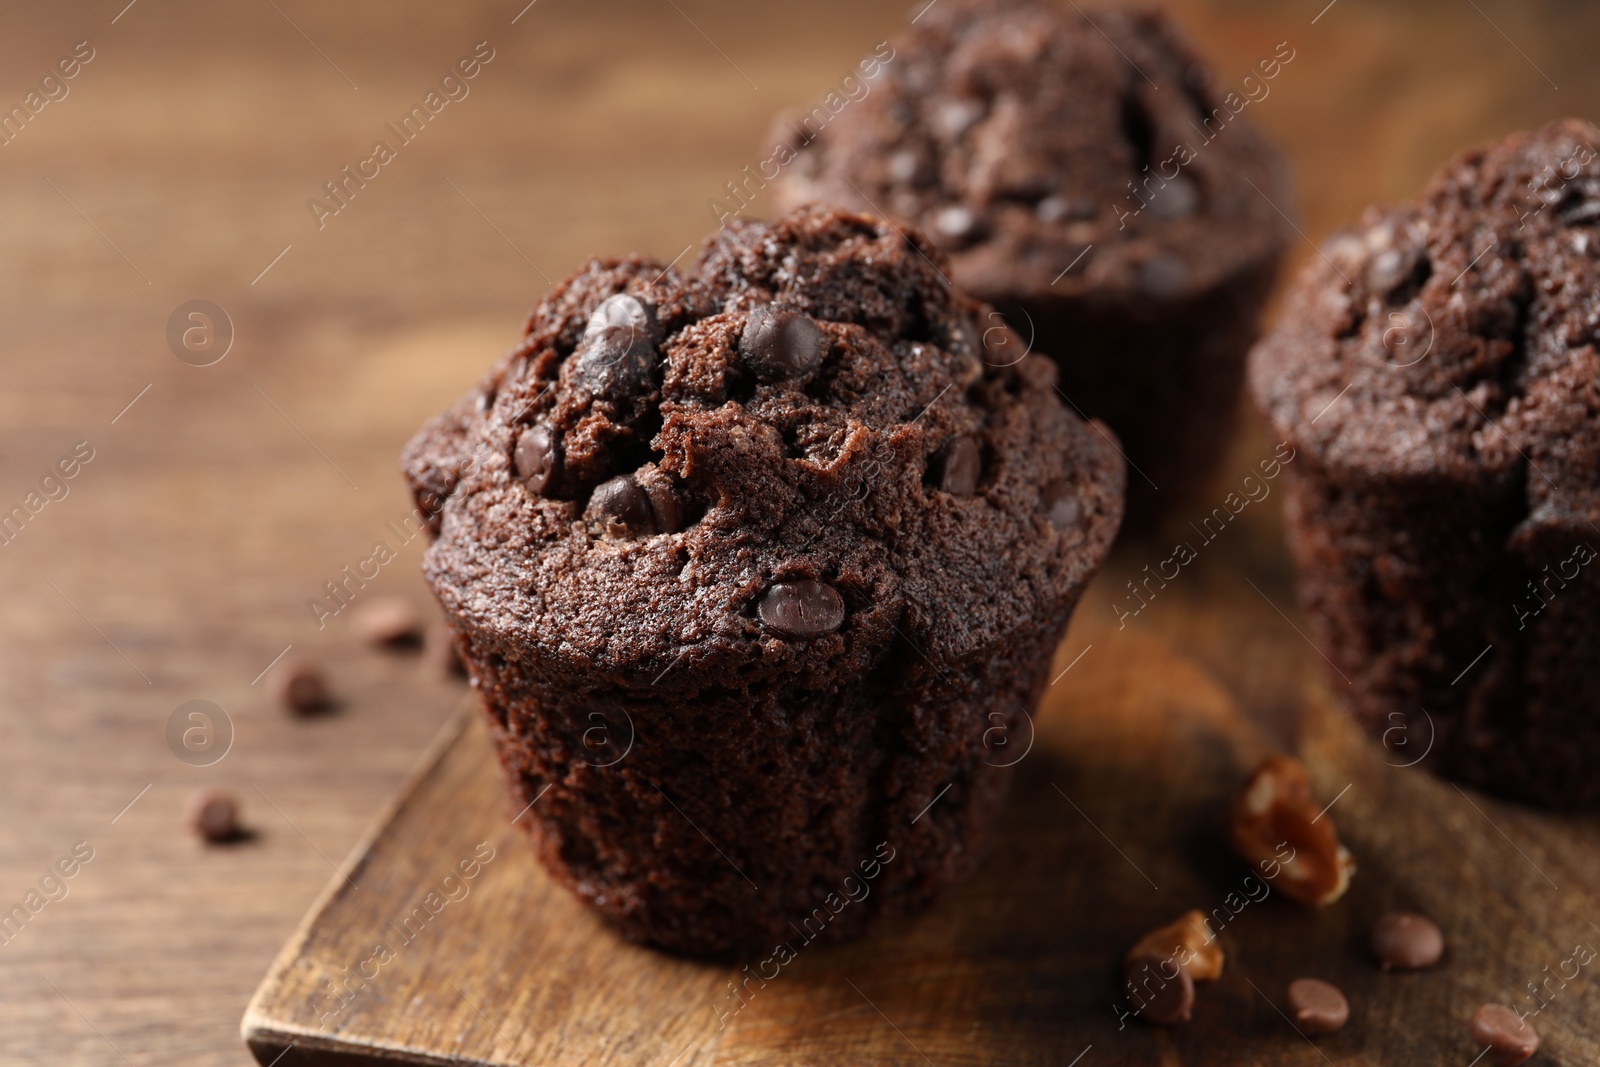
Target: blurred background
{"type": "Point", "coordinates": [176, 165]}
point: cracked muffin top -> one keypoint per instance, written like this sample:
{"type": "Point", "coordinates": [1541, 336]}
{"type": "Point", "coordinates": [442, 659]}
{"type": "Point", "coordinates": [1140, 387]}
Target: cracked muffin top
{"type": "Point", "coordinates": [775, 463]}
{"type": "Point", "coordinates": [1056, 151]}
{"type": "Point", "coordinates": [1454, 339]}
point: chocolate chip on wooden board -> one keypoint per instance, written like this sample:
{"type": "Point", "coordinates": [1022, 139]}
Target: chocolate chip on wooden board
{"type": "Point", "coordinates": [300, 686]}
{"type": "Point", "coordinates": [1406, 941]}
{"type": "Point", "coordinates": [1317, 1007]}
{"type": "Point", "coordinates": [1509, 1038]}
{"type": "Point", "coordinates": [213, 815]}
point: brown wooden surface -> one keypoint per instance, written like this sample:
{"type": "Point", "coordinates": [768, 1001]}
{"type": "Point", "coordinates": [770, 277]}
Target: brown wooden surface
{"type": "Point", "coordinates": [179, 565]}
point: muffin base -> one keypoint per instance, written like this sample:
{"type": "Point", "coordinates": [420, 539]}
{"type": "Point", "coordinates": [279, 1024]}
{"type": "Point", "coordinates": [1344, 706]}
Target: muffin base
{"type": "Point", "coordinates": [725, 821]}
{"type": "Point", "coordinates": [1448, 634]}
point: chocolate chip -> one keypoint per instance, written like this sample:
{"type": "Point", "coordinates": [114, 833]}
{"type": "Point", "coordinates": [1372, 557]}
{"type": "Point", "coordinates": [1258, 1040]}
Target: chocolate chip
{"type": "Point", "coordinates": [963, 464]}
{"type": "Point", "coordinates": [779, 342]}
{"type": "Point", "coordinates": [1406, 941]}
{"type": "Point", "coordinates": [386, 620]}
{"type": "Point", "coordinates": [1178, 199]}
{"type": "Point", "coordinates": [955, 222]}
{"type": "Point", "coordinates": [537, 458]}
{"type": "Point", "coordinates": [664, 507]}
{"type": "Point", "coordinates": [616, 362]}
{"type": "Point", "coordinates": [1160, 991]}
{"type": "Point", "coordinates": [624, 311]}
{"type": "Point", "coordinates": [1316, 1006]}
{"type": "Point", "coordinates": [1510, 1040]}
{"type": "Point", "coordinates": [802, 608]}
{"type": "Point", "coordinates": [617, 358]}
{"type": "Point", "coordinates": [1062, 506]}
{"type": "Point", "coordinates": [621, 499]}
{"type": "Point", "coordinates": [299, 686]}
{"type": "Point", "coordinates": [1163, 276]}
{"type": "Point", "coordinates": [905, 166]}
{"type": "Point", "coordinates": [955, 117]}
{"type": "Point", "coordinates": [1052, 209]}
{"type": "Point", "coordinates": [1389, 268]}
{"type": "Point", "coordinates": [1581, 210]}
{"type": "Point", "coordinates": [212, 814]}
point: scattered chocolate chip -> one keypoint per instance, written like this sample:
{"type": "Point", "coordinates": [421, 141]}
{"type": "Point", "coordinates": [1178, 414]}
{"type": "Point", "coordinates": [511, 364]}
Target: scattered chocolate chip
{"type": "Point", "coordinates": [802, 608]}
{"type": "Point", "coordinates": [537, 458]}
{"type": "Point", "coordinates": [299, 686]}
{"type": "Point", "coordinates": [1062, 506]}
{"type": "Point", "coordinates": [1160, 991]}
{"type": "Point", "coordinates": [1510, 1039]}
{"type": "Point", "coordinates": [484, 402]}
{"type": "Point", "coordinates": [664, 506]}
{"type": "Point", "coordinates": [621, 499]}
{"type": "Point", "coordinates": [1316, 1006]}
{"type": "Point", "coordinates": [963, 464]}
{"type": "Point", "coordinates": [780, 342]}
{"type": "Point", "coordinates": [1178, 199]}
{"type": "Point", "coordinates": [439, 651]}
{"type": "Point", "coordinates": [386, 620]}
{"type": "Point", "coordinates": [212, 814]}
{"type": "Point", "coordinates": [1406, 941]}
{"type": "Point", "coordinates": [1163, 276]}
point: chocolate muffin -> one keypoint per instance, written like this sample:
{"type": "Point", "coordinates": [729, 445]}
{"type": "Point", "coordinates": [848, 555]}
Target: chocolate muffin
{"type": "Point", "coordinates": [750, 563]}
{"type": "Point", "coordinates": [1087, 176]}
{"type": "Point", "coordinates": [1436, 372]}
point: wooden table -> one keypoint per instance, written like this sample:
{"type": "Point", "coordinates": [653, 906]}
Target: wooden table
{"type": "Point", "coordinates": [219, 499]}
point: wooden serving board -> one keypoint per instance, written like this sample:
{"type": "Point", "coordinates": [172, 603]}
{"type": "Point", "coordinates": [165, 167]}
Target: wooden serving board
{"type": "Point", "coordinates": [1114, 827]}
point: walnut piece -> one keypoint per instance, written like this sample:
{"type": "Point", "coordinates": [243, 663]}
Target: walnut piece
{"type": "Point", "coordinates": [1278, 828]}
{"type": "Point", "coordinates": [1188, 941]}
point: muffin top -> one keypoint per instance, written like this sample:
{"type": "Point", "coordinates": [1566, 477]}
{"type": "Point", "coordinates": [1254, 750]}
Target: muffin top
{"type": "Point", "coordinates": [779, 463]}
{"type": "Point", "coordinates": [1454, 339]}
{"type": "Point", "coordinates": [1019, 133]}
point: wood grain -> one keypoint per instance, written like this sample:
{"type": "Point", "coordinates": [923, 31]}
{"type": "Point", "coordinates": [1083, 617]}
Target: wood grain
{"type": "Point", "coordinates": [179, 167]}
